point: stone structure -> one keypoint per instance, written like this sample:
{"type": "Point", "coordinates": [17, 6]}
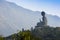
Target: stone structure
{"type": "Point", "coordinates": [43, 22]}
{"type": "Point", "coordinates": [41, 28]}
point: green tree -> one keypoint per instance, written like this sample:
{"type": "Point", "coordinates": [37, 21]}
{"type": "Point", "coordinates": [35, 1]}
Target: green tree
{"type": "Point", "coordinates": [1, 38]}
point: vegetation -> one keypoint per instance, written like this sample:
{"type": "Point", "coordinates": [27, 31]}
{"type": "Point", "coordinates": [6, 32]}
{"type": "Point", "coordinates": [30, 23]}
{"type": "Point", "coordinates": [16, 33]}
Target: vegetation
{"type": "Point", "coordinates": [46, 34]}
{"type": "Point", "coordinates": [25, 35]}
{"type": "Point", "coordinates": [1, 38]}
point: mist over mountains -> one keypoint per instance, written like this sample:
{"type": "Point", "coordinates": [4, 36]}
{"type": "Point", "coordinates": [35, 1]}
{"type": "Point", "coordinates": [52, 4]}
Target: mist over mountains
{"type": "Point", "coordinates": [14, 17]}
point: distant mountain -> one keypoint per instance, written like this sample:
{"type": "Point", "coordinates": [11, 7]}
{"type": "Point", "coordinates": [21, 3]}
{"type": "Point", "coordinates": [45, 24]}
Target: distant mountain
{"type": "Point", "coordinates": [14, 18]}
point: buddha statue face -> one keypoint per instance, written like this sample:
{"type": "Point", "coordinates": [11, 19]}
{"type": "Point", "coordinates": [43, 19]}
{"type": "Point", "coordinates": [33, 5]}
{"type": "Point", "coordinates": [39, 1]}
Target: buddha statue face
{"type": "Point", "coordinates": [43, 13]}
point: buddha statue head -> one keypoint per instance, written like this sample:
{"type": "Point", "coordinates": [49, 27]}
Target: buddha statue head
{"type": "Point", "coordinates": [43, 13]}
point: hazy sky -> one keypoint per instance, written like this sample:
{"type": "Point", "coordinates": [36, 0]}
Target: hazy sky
{"type": "Point", "coordinates": [49, 6]}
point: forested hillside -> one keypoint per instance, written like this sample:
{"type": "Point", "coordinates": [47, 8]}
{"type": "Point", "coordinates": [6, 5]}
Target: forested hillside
{"type": "Point", "coordinates": [48, 34]}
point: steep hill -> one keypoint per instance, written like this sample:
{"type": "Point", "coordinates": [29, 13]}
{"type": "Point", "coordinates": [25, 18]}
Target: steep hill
{"type": "Point", "coordinates": [14, 17]}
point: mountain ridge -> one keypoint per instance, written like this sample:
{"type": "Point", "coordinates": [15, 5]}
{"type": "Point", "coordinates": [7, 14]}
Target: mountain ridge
{"type": "Point", "coordinates": [14, 17]}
